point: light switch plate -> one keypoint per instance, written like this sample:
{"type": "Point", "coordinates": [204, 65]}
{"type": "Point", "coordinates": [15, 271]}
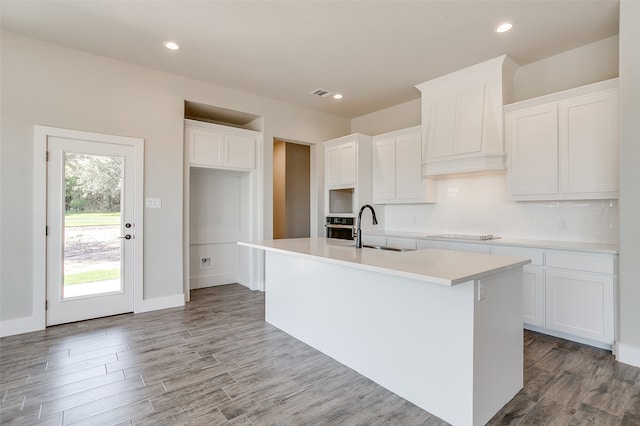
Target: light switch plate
{"type": "Point", "coordinates": [153, 203]}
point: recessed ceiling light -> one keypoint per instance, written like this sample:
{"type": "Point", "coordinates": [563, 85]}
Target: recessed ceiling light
{"type": "Point", "coordinates": [503, 28]}
{"type": "Point", "coordinates": [171, 45]}
{"type": "Point", "coordinates": [337, 96]}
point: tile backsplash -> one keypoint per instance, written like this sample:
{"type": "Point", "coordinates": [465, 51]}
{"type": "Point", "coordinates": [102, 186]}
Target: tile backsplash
{"type": "Point", "coordinates": [479, 204]}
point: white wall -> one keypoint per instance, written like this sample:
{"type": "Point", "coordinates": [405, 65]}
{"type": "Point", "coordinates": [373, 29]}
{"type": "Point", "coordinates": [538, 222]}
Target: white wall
{"type": "Point", "coordinates": [629, 282]}
{"type": "Point", "coordinates": [478, 204]}
{"type": "Point", "coordinates": [55, 86]}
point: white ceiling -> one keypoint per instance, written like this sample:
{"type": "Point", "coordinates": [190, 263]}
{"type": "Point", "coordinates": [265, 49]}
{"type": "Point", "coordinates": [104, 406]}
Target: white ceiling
{"type": "Point", "coordinates": [373, 52]}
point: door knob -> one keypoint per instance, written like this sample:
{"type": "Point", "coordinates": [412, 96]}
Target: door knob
{"type": "Point", "coordinates": [127, 225]}
{"type": "Point", "coordinates": [126, 237]}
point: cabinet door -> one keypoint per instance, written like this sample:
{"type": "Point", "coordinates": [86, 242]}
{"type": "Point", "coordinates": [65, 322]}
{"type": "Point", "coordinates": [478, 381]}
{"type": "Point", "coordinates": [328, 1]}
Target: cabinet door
{"type": "Point", "coordinates": [349, 167]}
{"type": "Point", "coordinates": [532, 138]}
{"type": "Point", "coordinates": [205, 147]}
{"type": "Point", "coordinates": [580, 303]}
{"type": "Point", "coordinates": [240, 152]}
{"type": "Point", "coordinates": [384, 170]}
{"type": "Point", "coordinates": [341, 164]}
{"type": "Point", "coordinates": [408, 180]}
{"type": "Point", "coordinates": [469, 119]}
{"type": "Point", "coordinates": [533, 295]}
{"type": "Point", "coordinates": [334, 164]}
{"type": "Point", "coordinates": [588, 141]}
{"type": "Point", "coordinates": [441, 129]}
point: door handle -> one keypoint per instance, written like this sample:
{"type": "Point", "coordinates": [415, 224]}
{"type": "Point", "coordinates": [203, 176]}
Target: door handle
{"type": "Point", "coordinates": [126, 237]}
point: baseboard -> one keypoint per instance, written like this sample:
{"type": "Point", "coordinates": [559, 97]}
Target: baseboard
{"type": "Point", "coordinates": [157, 303]}
{"type": "Point", "coordinates": [628, 354]}
{"type": "Point", "coordinates": [213, 280]}
{"type": "Point", "coordinates": [571, 337]}
{"type": "Point", "coordinates": [20, 325]}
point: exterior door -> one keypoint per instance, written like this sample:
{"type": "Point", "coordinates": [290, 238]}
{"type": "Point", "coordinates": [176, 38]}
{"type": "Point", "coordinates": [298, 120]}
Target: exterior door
{"type": "Point", "coordinates": [90, 229]}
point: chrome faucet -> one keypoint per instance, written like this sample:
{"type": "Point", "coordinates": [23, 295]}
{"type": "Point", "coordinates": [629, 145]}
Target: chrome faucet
{"type": "Point", "coordinates": [359, 222]}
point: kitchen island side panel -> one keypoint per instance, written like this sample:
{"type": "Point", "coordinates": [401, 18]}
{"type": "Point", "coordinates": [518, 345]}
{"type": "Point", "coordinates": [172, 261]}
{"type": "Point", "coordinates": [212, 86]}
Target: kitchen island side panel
{"type": "Point", "coordinates": [412, 337]}
{"type": "Point", "coordinates": [498, 343]}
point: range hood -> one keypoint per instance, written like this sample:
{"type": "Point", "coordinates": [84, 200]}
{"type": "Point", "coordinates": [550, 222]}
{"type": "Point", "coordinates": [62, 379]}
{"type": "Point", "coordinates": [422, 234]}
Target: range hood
{"type": "Point", "coordinates": [462, 118]}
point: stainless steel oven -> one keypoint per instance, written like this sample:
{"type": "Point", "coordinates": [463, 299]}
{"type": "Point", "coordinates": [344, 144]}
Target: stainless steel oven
{"type": "Point", "coordinates": [340, 227]}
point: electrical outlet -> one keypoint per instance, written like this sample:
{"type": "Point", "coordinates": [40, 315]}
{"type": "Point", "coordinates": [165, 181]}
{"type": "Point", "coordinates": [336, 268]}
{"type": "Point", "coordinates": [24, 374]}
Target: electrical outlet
{"type": "Point", "coordinates": [562, 224]}
{"type": "Point", "coordinates": [205, 263]}
{"type": "Point", "coordinates": [481, 291]}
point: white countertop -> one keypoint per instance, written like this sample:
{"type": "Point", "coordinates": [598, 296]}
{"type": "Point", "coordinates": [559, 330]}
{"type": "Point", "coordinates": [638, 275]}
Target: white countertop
{"type": "Point", "coordinates": [542, 244]}
{"type": "Point", "coordinates": [443, 267]}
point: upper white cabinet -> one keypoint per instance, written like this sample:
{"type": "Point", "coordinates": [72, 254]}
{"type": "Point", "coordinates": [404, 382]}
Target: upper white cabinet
{"type": "Point", "coordinates": [565, 145]}
{"type": "Point", "coordinates": [342, 164]}
{"type": "Point", "coordinates": [347, 174]}
{"type": "Point", "coordinates": [213, 145]}
{"type": "Point", "coordinates": [396, 169]}
{"type": "Point", "coordinates": [462, 118]}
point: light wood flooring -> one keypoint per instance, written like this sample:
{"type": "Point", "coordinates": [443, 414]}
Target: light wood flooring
{"type": "Point", "coordinates": [216, 362]}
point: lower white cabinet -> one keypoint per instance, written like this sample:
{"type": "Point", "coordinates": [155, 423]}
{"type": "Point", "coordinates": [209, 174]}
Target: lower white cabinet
{"type": "Point", "coordinates": [533, 296]}
{"type": "Point", "coordinates": [580, 303]}
{"type": "Point", "coordinates": [566, 293]}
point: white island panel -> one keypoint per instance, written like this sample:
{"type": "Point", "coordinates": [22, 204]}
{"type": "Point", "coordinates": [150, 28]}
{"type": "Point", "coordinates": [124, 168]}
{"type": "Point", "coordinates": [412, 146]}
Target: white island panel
{"type": "Point", "coordinates": [436, 346]}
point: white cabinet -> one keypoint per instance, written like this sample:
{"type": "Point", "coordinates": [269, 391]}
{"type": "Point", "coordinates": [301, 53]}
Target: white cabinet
{"type": "Point", "coordinates": [533, 295]}
{"type": "Point", "coordinates": [347, 174]}
{"type": "Point", "coordinates": [569, 292]}
{"type": "Point", "coordinates": [396, 169]}
{"type": "Point", "coordinates": [533, 151]}
{"type": "Point", "coordinates": [462, 118]}
{"type": "Point", "coordinates": [533, 284]}
{"type": "Point", "coordinates": [216, 146]}
{"type": "Point", "coordinates": [588, 144]}
{"type": "Point", "coordinates": [580, 294]}
{"type": "Point", "coordinates": [565, 145]}
{"type": "Point", "coordinates": [342, 164]}
{"type": "Point", "coordinates": [580, 304]}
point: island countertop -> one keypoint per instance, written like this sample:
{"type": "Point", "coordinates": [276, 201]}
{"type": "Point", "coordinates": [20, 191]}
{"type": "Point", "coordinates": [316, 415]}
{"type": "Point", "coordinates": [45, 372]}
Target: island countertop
{"type": "Point", "coordinates": [443, 267]}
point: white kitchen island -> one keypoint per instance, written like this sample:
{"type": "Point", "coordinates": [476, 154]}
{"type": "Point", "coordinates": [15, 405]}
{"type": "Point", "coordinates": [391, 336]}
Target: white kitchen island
{"type": "Point", "coordinates": [442, 329]}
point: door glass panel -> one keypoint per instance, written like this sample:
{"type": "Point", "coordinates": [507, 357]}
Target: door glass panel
{"type": "Point", "coordinates": [92, 225]}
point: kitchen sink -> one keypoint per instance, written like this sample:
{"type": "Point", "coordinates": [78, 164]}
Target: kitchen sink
{"type": "Point", "coordinates": [388, 248]}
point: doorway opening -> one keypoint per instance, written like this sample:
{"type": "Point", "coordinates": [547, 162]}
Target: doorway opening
{"type": "Point", "coordinates": [291, 190]}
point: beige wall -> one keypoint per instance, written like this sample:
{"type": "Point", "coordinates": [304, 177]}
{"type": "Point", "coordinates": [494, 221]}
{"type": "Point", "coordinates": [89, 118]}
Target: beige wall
{"type": "Point", "coordinates": [55, 86]}
{"type": "Point", "coordinates": [584, 65]}
{"type": "Point", "coordinates": [397, 117]}
{"type": "Point", "coordinates": [629, 278]}
{"type": "Point", "coordinates": [279, 189]}
{"type": "Point", "coordinates": [291, 187]}
{"type": "Point", "coordinates": [297, 192]}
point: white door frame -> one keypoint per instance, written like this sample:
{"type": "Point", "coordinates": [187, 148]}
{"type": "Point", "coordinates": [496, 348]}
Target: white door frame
{"type": "Point", "coordinates": [41, 133]}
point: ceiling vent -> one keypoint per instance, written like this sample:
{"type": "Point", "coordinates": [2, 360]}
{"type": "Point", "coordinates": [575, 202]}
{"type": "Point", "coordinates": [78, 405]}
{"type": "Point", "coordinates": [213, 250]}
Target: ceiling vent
{"type": "Point", "coordinates": [320, 92]}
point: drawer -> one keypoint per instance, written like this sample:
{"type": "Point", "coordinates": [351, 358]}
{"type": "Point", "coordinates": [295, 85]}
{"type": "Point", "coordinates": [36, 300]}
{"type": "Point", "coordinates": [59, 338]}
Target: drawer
{"type": "Point", "coordinates": [536, 255]}
{"type": "Point", "coordinates": [581, 261]}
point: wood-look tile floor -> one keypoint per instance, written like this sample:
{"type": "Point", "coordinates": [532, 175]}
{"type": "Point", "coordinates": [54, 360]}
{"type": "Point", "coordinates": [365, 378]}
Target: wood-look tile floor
{"type": "Point", "coordinates": [216, 362]}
